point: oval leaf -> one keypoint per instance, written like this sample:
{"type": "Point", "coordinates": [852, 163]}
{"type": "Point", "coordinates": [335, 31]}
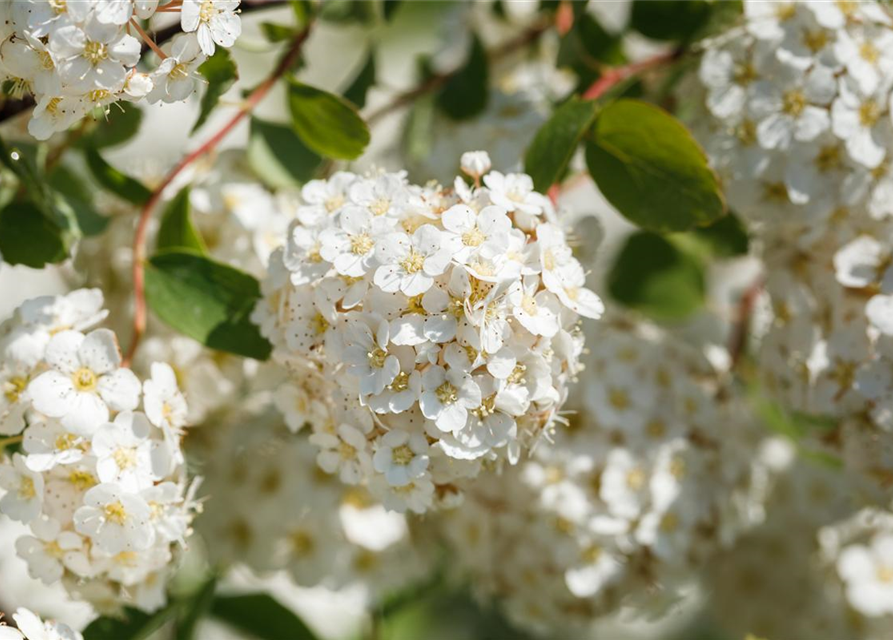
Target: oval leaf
{"type": "Point", "coordinates": [260, 616]}
{"type": "Point", "coordinates": [278, 156]}
{"type": "Point", "coordinates": [176, 230]}
{"type": "Point", "coordinates": [121, 185]}
{"type": "Point", "coordinates": [220, 71]}
{"type": "Point", "coordinates": [655, 277]}
{"type": "Point", "coordinates": [28, 237]}
{"type": "Point", "coordinates": [555, 142]}
{"type": "Point", "coordinates": [327, 123]}
{"type": "Point", "coordinates": [207, 301]}
{"type": "Point", "coordinates": [465, 93]}
{"type": "Point", "coordinates": [132, 625]}
{"type": "Point", "coordinates": [649, 167]}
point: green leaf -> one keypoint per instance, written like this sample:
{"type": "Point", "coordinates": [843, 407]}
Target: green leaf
{"type": "Point", "coordinates": [74, 194]}
{"type": "Point", "coordinates": [28, 237]}
{"type": "Point", "coordinates": [588, 45]}
{"type": "Point", "coordinates": [657, 278]}
{"type": "Point", "coordinates": [465, 93]}
{"type": "Point", "coordinates": [196, 608]}
{"type": "Point", "coordinates": [121, 185]}
{"type": "Point", "coordinates": [327, 123]}
{"type": "Point", "coordinates": [260, 616]}
{"type": "Point", "coordinates": [23, 160]}
{"type": "Point", "coordinates": [207, 301]}
{"type": "Point", "coordinates": [390, 8]}
{"type": "Point", "coordinates": [554, 144]}
{"type": "Point", "coordinates": [649, 167]}
{"type": "Point", "coordinates": [117, 127]}
{"type": "Point", "coordinates": [275, 32]}
{"type": "Point", "coordinates": [134, 625]}
{"type": "Point", "coordinates": [176, 231]}
{"type": "Point", "coordinates": [356, 92]}
{"type": "Point", "coordinates": [725, 238]}
{"type": "Point", "coordinates": [278, 156]}
{"type": "Point", "coordinates": [675, 20]}
{"type": "Point", "coordinates": [220, 71]}
{"type": "Point", "coordinates": [348, 11]}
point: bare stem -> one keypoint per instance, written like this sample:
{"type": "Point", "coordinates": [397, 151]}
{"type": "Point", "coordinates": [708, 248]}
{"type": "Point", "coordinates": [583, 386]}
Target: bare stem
{"type": "Point", "coordinates": [612, 76]}
{"type": "Point", "coordinates": [139, 239]}
{"type": "Point", "coordinates": [148, 40]}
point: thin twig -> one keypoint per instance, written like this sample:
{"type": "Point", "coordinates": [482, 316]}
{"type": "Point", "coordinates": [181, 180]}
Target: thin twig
{"type": "Point", "coordinates": [741, 328]}
{"type": "Point", "coordinates": [147, 39]}
{"type": "Point", "coordinates": [436, 81]}
{"type": "Point", "coordinates": [612, 76]}
{"type": "Point", "coordinates": [139, 240]}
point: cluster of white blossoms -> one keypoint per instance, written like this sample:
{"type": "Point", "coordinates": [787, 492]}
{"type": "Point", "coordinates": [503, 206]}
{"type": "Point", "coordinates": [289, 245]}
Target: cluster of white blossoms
{"type": "Point", "coordinates": [77, 56]}
{"type": "Point", "coordinates": [99, 476]}
{"type": "Point", "coordinates": [800, 130]}
{"type": "Point", "coordinates": [31, 627]}
{"type": "Point", "coordinates": [801, 125]}
{"type": "Point", "coordinates": [626, 508]}
{"type": "Point", "coordinates": [430, 330]}
{"type": "Point", "coordinates": [271, 509]}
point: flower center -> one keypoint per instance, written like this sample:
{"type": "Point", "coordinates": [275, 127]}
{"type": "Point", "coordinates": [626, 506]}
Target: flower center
{"type": "Point", "coordinates": [785, 12]}
{"type": "Point", "coordinates": [745, 73]}
{"type": "Point", "coordinates": [53, 550]}
{"type": "Point", "coordinates": [53, 105]}
{"type": "Point", "coordinates": [361, 244]}
{"type": "Point", "coordinates": [487, 408]}
{"type": "Point", "coordinates": [775, 191]}
{"type": "Point", "coordinates": [58, 6]}
{"type": "Point", "coordinates": [334, 203]}
{"type": "Point", "coordinates": [619, 399]}
{"type": "Point", "coordinates": [98, 95]}
{"type": "Point", "coordinates": [548, 260]}
{"type": "Point", "coordinates": [815, 41]}
{"type": "Point", "coordinates": [635, 479]}
{"type": "Point", "coordinates": [517, 375]}
{"type": "Point", "coordinates": [116, 513]}
{"type": "Point", "coordinates": [828, 158]}
{"type": "Point", "coordinates": [446, 393]}
{"type": "Point", "coordinates": [473, 238]}
{"type": "Point", "coordinates": [869, 52]}
{"type": "Point", "coordinates": [885, 574]}
{"type": "Point", "coordinates": [746, 132]}
{"type": "Point", "coordinates": [869, 113]}
{"type": "Point", "coordinates": [377, 357]}
{"type": "Point", "coordinates": [528, 304]}
{"type": "Point", "coordinates": [27, 491]}
{"type": "Point", "coordinates": [346, 451]}
{"type": "Point", "coordinates": [414, 262]}
{"type": "Point", "coordinates": [669, 523]}
{"type": "Point", "coordinates": [82, 480]}
{"type": "Point", "coordinates": [207, 11]}
{"type": "Point", "coordinates": [125, 457]}
{"type": "Point", "coordinates": [400, 383]}
{"type": "Point", "coordinates": [592, 553]}
{"type": "Point", "coordinates": [95, 52]}
{"type": "Point", "coordinates": [380, 206]}
{"type": "Point", "coordinates": [302, 543]}
{"type": "Point", "coordinates": [402, 455]}
{"type": "Point", "coordinates": [46, 60]}
{"type": "Point", "coordinates": [84, 380]}
{"type": "Point", "coordinates": [65, 441]}
{"type": "Point", "coordinates": [793, 102]}
{"type": "Point", "coordinates": [14, 387]}
{"type": "Point", "coordinates": [179, 72]}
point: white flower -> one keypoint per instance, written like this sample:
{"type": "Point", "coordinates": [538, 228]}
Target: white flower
{"type": "Point", "coordinates": [48, 444]}
{"type": "Point", "coordinates": [85, 381]}
{"type": "Point", "coordinates": [176, 78]}
{"type": "Point", "coordinates": [860, 119]}
{"type": "Point", "coordinates": [401, 457]}
{"type": "Point", "coordinates": [867, 572]}
{"type": "Point", "coordinates": [447, 396]}
{"type": "Point", "coordinates": [34, 628]}
{"type": "Point", "coordinates": [24, 490]}
{"type": "Point", "coordinates": [214, 21]}
{"type": "Point", "coordinates": [55, 113]}
{"type": "Point", "coordinates": [46, 551]}
{"type": "Point", "coordinates": [350, 246]}
{"type": "Point", "coordinates": [367, 357]}
{"type": "Point", "coordinates": [409, 263]}
{"type": "Point", "coordinates": [14, 399]}
{"type": "Point", "coordinates": [475, 163]}
{"type": "Point", "coordinates": [864, 262]}
{"type": "Point", "coordinates": [164, 402]}
{"type": "Point", "coordinates": [537, 312]}
{"type": "Point", "coordinates": [95, 57]}
{"type": "Point", "coordinates": [469, 234]}
{"type": "Point", "coordinates": [127, 454]}
{"type": "Point", "coordinates": [114, 520]}
{"type": "Point", "coordinates": [344, 452]}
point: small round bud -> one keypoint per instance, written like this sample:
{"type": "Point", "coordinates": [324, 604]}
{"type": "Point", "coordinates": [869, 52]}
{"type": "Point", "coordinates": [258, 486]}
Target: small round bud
{"type": "Point", "coordinates": [475, 163]}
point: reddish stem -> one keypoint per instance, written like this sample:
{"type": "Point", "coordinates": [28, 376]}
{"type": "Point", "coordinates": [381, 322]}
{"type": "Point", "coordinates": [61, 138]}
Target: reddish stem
{"type": "Point", "coordinates": [738, 337]}
{"type": "Point", "coordinates": [139, 239]}
{"type": "Point", "coordinates": [615, 75]}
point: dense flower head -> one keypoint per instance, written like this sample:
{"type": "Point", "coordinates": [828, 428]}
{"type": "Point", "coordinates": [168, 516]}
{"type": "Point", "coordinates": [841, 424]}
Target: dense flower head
{"type": "Point", "coordinates": [29, 626]}
{"type": "Point", "coordinates": [627, 506]}
{"type": "Point", "coordinates": [77, 56]}
{"type": "Point", "coordinates": [430, 330]}
{"type": "Point", "coordinates": [99, 477]}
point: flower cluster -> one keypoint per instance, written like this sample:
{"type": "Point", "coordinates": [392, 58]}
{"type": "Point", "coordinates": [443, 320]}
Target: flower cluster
{"type": "Point", "coordinates": [653, 476]}
{"type": "Point", "coordinates": [77, 56]}
{"type": "Point", "coordinates": [31, 627]}
{"type": "Point", "coordinates": [430, 329]}
{"type": "Point", "coordinates": [800, 129]}
{"type": "Point", "coordinates": [101, 483]}
{"type": "Point", "coordinates": [271, 509]}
